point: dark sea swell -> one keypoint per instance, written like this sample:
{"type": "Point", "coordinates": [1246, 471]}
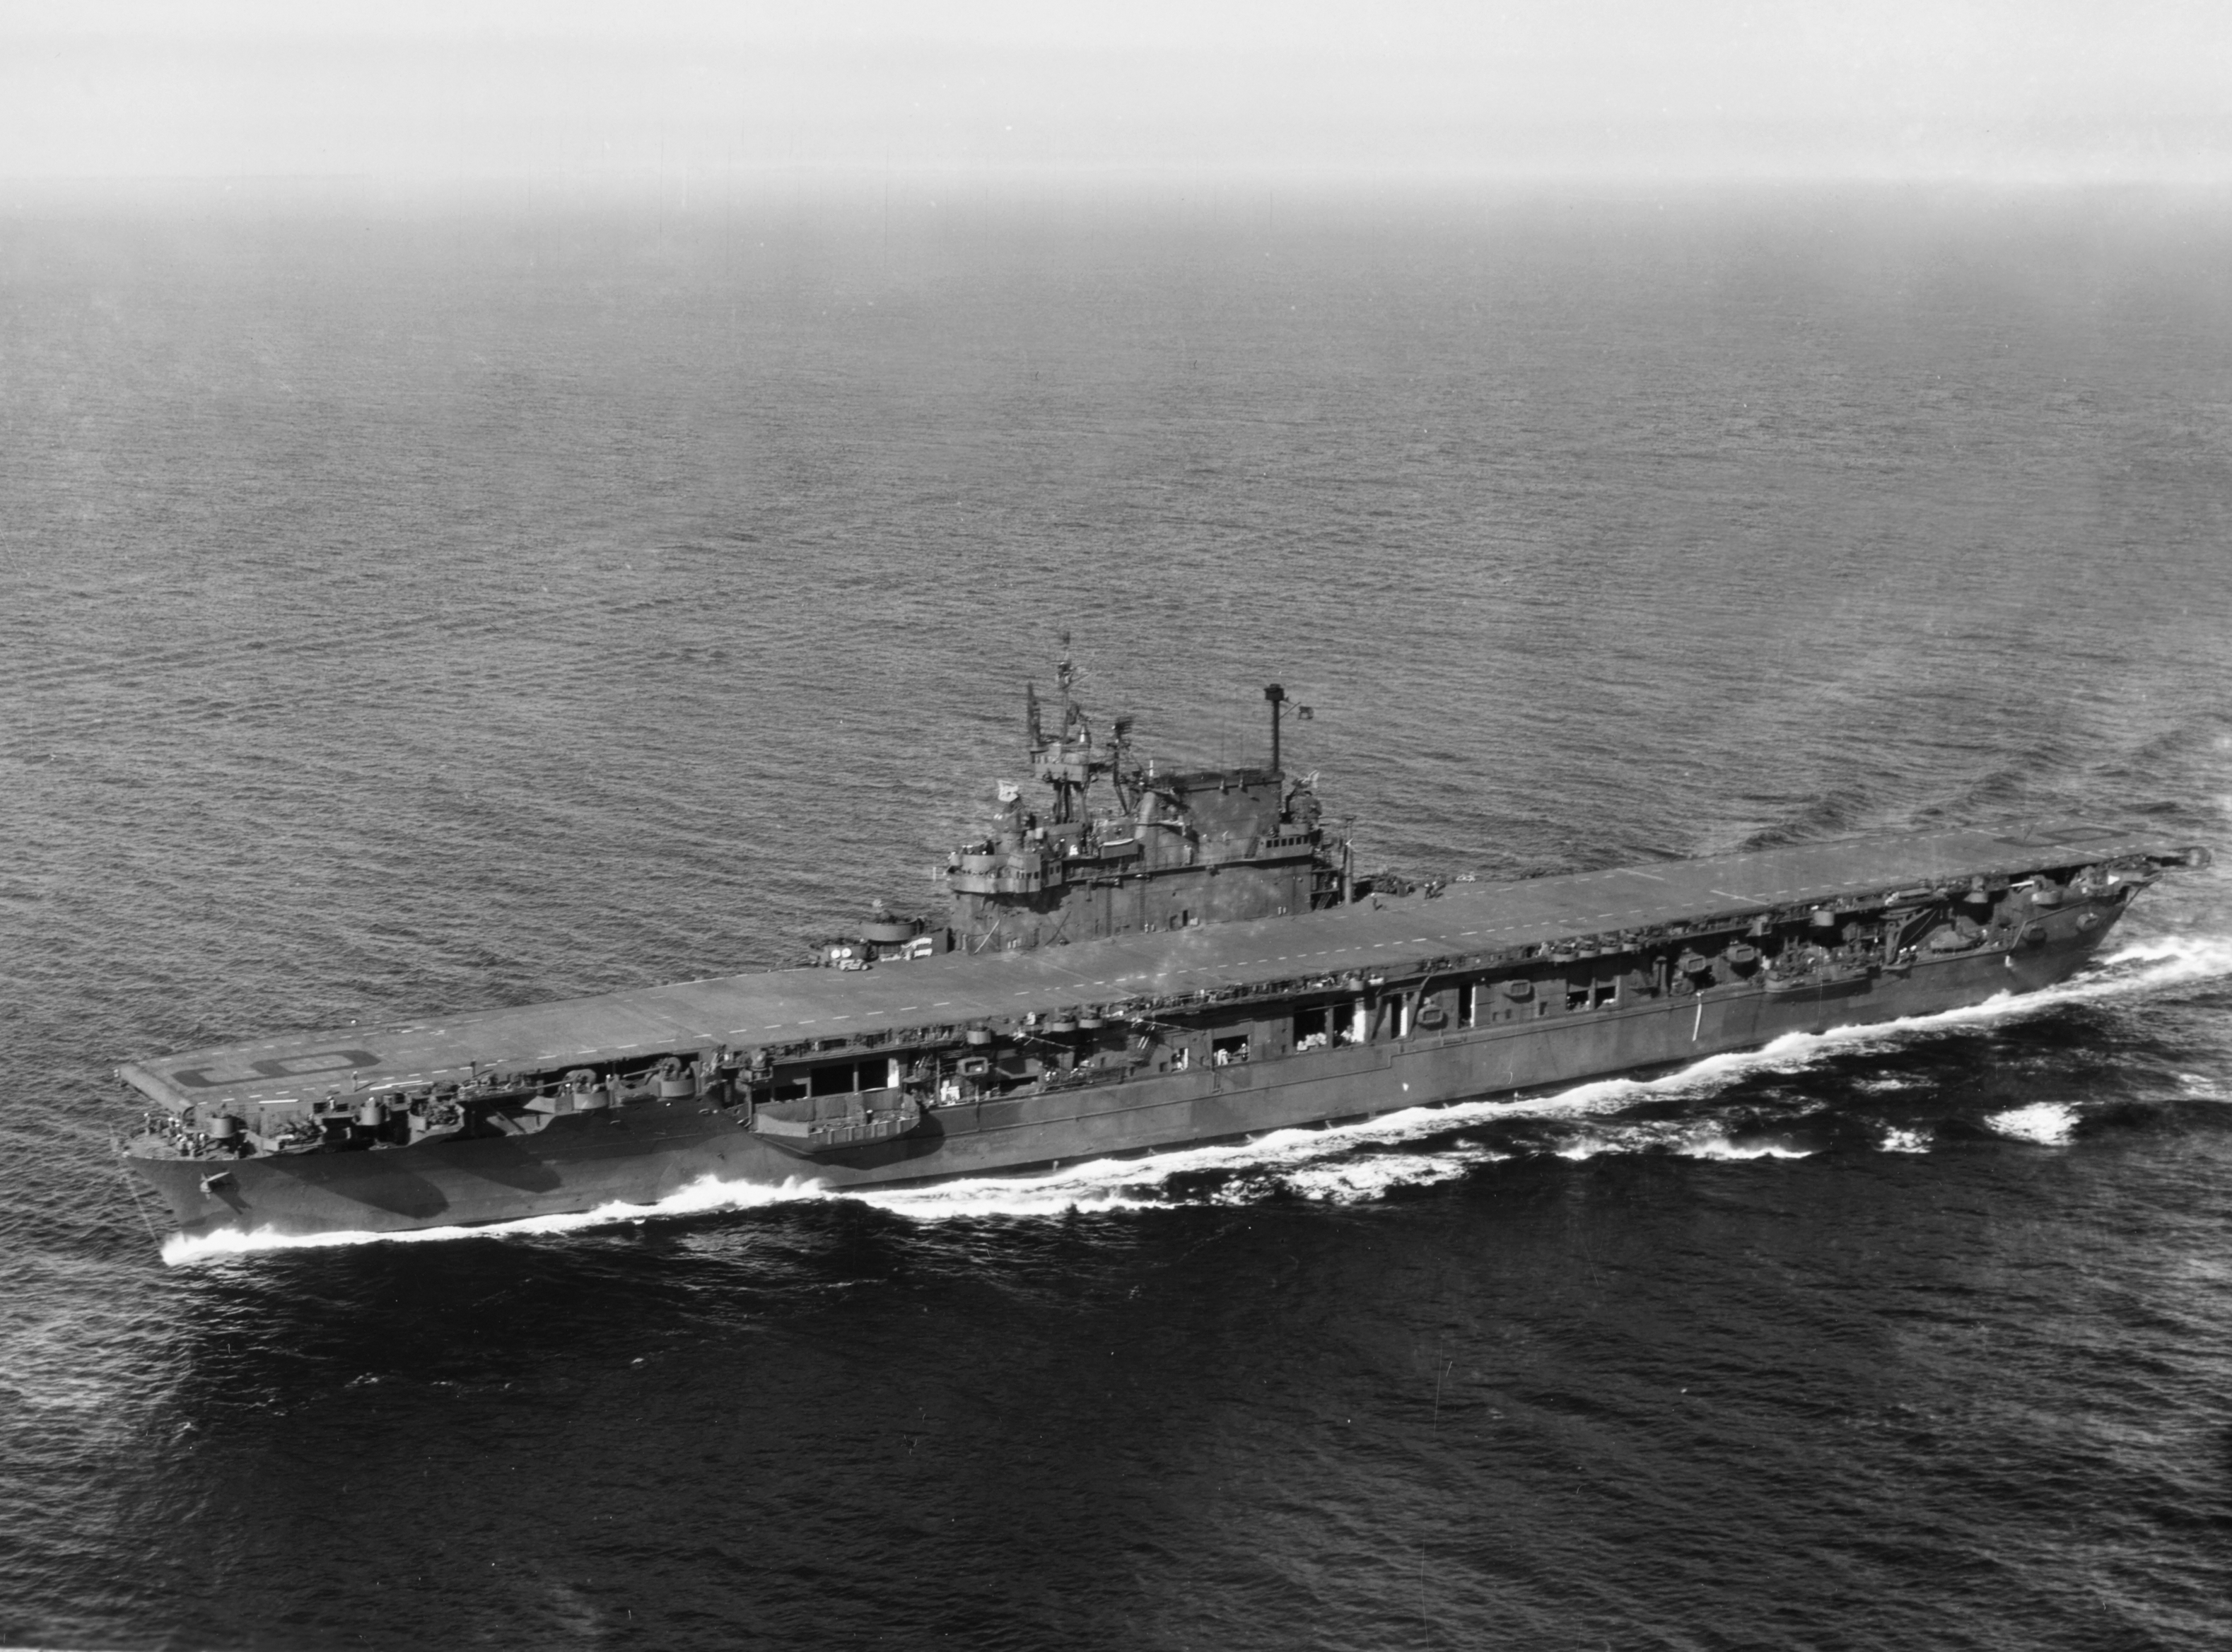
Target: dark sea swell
{"type": "Point", "coordinates": [407, 610]}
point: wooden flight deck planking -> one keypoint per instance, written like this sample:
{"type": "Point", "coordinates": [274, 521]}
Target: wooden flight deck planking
{"type": "Point", "coordinates": [1396, 937]}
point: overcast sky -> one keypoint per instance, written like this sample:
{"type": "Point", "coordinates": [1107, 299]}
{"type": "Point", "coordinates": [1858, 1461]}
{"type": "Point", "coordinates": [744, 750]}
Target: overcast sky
{"type": "Point", "coordinates": [460, 90]}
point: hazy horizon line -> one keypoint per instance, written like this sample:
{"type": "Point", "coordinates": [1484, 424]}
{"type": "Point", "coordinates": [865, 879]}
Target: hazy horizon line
{"type": "Point", "coordinates": [678, 186]}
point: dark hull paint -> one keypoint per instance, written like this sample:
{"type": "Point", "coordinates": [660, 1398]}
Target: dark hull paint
{"type": "Point", "coordinates": [645, 1153]}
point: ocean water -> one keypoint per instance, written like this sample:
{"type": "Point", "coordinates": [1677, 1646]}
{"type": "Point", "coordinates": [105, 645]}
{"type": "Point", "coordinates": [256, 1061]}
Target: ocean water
{"type": "Point", "coordinates": [410, 607]}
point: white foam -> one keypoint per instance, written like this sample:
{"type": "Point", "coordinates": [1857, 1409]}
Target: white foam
{"type": "Point", "coordinates": [1312, 1162]}
{"type": "Point", "coordinates": [2185, 957]}
{"type": "Point", "coordinates": [2047, 1123]}
{"type": "Point", "coordinates": [1362, 1179]}
{"type": "Point", "coordinates": [706, 1195]}
{"type": "Point", "coordinates": [1703, 1138]}
{"type": "Point", "coordinates": [1594, 1145]}
{"type": "Point", "coordinates": [1896, 1140]}
{"type": "Point", "coordinates": [1719, 1147]}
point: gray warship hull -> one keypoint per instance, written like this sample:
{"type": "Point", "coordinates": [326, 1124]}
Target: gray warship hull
{"type": "Point", "coordinates": [648, 1153]}
{"type": "Point", "coordinates": [1009, 1063]}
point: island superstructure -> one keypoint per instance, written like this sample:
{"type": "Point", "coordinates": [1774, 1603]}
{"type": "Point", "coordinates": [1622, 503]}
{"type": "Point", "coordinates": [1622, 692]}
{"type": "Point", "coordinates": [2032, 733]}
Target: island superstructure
{"type": "Point", "coordinates": [1133, 960]}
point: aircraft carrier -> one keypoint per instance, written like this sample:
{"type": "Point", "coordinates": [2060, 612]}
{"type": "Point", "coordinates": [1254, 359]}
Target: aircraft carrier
{"type": "Point", "coordinates": [1134, 961]}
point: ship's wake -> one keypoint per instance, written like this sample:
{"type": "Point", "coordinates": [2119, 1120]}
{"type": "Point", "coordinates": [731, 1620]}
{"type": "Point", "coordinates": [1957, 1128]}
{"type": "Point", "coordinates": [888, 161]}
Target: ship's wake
{"type": "Point", "coordinates": [1415, 1148]}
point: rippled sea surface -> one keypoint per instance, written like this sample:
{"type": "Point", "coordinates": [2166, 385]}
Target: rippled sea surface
{"type": "Point", "coordinates": [408, 608]}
